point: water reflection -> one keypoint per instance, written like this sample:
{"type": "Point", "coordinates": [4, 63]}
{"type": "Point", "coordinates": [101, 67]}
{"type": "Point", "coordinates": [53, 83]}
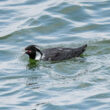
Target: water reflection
{"type": "Point", "coordinates": [33, 64]}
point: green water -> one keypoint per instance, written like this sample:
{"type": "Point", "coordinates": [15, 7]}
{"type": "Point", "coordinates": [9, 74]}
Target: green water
{"type": "Point", "coordinates": [76, 84]}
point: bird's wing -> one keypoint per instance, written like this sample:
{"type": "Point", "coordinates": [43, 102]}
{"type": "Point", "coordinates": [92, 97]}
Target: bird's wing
{"type": "Point", "coordinates": [55, 54]}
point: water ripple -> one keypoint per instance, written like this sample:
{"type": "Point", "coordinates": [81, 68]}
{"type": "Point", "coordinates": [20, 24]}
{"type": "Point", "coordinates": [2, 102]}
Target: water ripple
{"type": "Point", "coordinates": [80, 83]}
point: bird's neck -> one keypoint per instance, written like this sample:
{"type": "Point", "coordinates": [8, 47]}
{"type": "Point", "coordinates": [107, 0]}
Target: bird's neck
{"type": "Point", "coordinates": [32, 56]}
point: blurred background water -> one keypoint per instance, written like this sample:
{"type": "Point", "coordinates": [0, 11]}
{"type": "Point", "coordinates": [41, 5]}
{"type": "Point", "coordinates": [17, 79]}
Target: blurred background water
{"type": "Point", "coordinates": [76, 84]}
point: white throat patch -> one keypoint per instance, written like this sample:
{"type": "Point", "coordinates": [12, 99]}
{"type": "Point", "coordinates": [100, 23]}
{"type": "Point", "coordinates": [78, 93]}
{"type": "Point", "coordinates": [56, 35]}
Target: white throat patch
{"type": "Point", "coordinates": [38, 56]}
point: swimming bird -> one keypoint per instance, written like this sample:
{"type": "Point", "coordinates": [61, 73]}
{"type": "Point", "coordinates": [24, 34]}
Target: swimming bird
{"type": "Point", "coordinates": [54, 54]}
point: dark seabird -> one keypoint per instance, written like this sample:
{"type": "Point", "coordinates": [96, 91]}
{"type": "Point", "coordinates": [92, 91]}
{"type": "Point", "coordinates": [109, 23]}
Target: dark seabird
{"type": "Point", "coordinates": [54, 54]}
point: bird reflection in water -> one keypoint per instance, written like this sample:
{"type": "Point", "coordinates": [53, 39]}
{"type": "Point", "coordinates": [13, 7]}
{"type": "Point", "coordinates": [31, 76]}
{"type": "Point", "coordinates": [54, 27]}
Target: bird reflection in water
{"type": "Point", "coordinates": [33, 64]}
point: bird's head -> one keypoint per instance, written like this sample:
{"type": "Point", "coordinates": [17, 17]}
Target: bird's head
{"type": "Point", "coordinates": [32, 51]}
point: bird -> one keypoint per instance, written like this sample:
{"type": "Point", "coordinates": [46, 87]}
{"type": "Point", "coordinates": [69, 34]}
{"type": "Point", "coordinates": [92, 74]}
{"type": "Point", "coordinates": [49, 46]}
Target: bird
{"type": "Point", "coordinates": [54, 54]}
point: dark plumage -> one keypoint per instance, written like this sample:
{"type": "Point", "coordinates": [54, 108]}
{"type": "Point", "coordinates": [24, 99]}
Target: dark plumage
{"type": "Point", "coordinates": [54, 54]}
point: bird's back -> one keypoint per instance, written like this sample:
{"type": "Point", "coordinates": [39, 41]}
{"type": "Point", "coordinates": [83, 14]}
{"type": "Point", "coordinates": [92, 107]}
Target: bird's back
{"type": "Point", "coordinates": [59, 54]}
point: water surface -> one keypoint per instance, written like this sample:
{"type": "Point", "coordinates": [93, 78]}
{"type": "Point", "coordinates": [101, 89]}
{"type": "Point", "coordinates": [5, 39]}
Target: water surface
{"type": "Point", "coordinates": [76, 84]}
